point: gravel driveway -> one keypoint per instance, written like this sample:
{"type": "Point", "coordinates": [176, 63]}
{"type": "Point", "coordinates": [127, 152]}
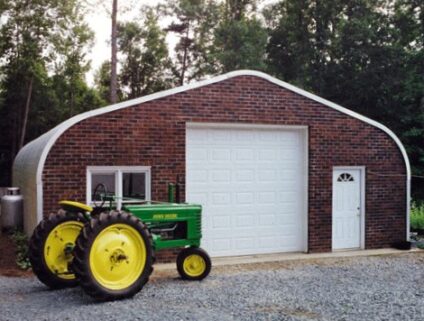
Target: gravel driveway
{"type": "Point", "coordinates": [362, 288]}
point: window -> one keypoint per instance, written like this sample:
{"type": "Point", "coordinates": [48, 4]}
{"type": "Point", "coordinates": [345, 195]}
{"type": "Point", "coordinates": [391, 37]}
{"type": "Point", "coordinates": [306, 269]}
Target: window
{"type": "Point", "coordinates": [134, 185]}
{"type": "Point", "coordinates": [128, 183]}
{"type": "Point", "coordinates": [345, 177]}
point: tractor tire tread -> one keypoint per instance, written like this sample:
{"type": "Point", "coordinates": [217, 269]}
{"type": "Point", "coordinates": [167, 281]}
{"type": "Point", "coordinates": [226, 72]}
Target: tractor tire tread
{"type": "Point", "coordinates": [36, 249]}
{"type": "Point", "coordinates": [187, 252]}
{"type": "Point", "coordinates": [82, 256]}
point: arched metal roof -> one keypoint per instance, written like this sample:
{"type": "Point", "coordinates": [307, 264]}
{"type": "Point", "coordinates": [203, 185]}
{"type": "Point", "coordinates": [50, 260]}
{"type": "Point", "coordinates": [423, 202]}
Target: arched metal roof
{"type": "Point", "coordinates": [29, 163]}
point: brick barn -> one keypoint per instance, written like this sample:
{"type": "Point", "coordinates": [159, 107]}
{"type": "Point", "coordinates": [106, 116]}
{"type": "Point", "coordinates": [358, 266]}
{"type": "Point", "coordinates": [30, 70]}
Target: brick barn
{"type": "Point", "coordinates": [277, 169]}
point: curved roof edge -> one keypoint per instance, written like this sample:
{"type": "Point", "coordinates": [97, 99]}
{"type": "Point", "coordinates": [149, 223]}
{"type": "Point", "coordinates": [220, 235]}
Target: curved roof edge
{"type": "Point", "coordinates": [38, 152]}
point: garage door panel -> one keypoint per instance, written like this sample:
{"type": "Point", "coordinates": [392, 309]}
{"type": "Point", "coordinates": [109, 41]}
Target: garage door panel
{"type": "Point", "coordinates": [267, 242]}
{"type": "Point", "coordinates": [198, 176]}
{"type": "Point", "coordinates": [266, 197]}
{"type": "Point", "coordinates": [216, 136]}
{"type": "Point", "coordinates": [289, 207]}
{"type": "Point", "coordinates": [198, 154]}
{"type": "Point", "coordinates": [287, 196]}
{"type": "Point", "coordinates": [198, 137]}
{"type": "Point", "coordinates": [221, 244]}
{"type": "Point", "coordinates": [243, 155]}
{"type": "Point", "coordinates": [220, 198]}
{"type": "Point", "coordinates": [244, 243]}
{"type": "Point", "coordinates": [199, 197]}
{"type": "Point", "coordinates": [222, 221]}
{"type": "Point", "coordinates": [220, 175]}
{"type": "Point", "coordinates": [290, 175]}
{"type": "Point", "coordinates": [220, 155]}
{"type": "Point", "coordinates": [267, 220]}
{"type": "Point", "coordinates": [288, 219]}
{"type": "Point", "coordinates": [268, 155]}
{"type": "Point", "coordinates": [244, 175]}
{"type": "Point", "coordinates": [245, 198]}
{"type": "Point", "coordinates": [222, 233]}
{"type": "Point", "coordinates": [267, 175]}
{"type": "Point", "coordinates": [245, 220]}
{"type": "Point", "coordinates": [249, 183]}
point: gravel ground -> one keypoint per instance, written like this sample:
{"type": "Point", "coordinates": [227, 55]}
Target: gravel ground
{"type": "Point", "coordinates": [362, 288]}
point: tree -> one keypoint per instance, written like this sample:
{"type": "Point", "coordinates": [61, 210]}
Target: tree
{"type": "Point", "coordinates": [366, 55]}
{"type": "Point", "coordinates": [239, 9]}
{"type": "Point", "coordinates": [102, 81]}
{"type": "Point", "coordinates": [240, 45]}
{"type": "Point", "coordinates": [68, 81]}
{"type": "Point", "coordinates": [289, 48]}
{"type": "Point", "coordinates": [146, 64]}
{"type": "Point", "coordinates": [239, 39]}
{"type": "Point", "coordinates": [193, 22]}
{"type": "Point", "coordinates": [25, 34]}
{"type": "Point", "coordinates": [113, 8]}
{"type": "Point", "coordinates": [39, 40]}
{"type": "Point", "coordinates": [408, 95]}
{"type": "Point", "coordinates": [114, 52]}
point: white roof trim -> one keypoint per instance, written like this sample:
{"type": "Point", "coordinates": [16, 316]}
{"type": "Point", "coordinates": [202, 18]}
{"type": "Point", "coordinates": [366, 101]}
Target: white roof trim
{"type": "Point", "coordinates": [56, 132]}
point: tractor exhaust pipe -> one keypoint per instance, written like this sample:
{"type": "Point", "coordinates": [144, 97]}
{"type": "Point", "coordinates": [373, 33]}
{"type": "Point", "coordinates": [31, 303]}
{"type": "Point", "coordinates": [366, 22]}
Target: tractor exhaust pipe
{"type": "Point", "coordinates": [178, 190]}
{"type": "Point", "coordinates": [171, 193]}
{"type": "Point", "coordinates": [174, 191]}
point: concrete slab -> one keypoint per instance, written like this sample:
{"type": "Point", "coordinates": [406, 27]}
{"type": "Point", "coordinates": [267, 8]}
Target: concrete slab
{"type": "Point", "coordinates": [281, 257]}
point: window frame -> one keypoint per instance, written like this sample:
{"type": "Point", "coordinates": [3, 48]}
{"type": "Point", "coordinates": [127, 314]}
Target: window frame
{"type": "Point", "coordinates": [118, 171]}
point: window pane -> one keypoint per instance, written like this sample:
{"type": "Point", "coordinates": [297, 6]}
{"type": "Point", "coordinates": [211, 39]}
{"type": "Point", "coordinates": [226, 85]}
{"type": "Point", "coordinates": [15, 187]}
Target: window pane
{"type": "Point", "coordinates": [107, 179]}
{"type": "Point", "coordinates": [134, 185]}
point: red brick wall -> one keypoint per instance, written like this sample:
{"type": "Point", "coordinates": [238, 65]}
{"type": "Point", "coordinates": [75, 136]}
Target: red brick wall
{"type": "Point", "coordinates": [153, 134]}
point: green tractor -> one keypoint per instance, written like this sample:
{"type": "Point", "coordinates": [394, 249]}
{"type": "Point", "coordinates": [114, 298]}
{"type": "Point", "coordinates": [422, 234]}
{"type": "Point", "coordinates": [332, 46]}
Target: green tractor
{"type": "Point", "coordinates": [110, 252]}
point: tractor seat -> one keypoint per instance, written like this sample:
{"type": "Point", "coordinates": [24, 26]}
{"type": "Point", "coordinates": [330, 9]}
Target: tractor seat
{"type": "Point", "coordinates": [75, 207]}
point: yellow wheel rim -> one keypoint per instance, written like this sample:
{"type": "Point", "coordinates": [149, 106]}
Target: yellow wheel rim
{"type": "Point", "coordinates": [194, 265]}
{"type": "Point", "coordinates": [118, 256]}
{"type": "Point", "coordinates": [58, 248]}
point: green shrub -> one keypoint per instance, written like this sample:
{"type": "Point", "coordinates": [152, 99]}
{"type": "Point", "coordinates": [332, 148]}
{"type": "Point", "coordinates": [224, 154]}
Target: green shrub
{"type": "Point", "coordinates": [21, 242]}
{"type": "Point", "coordinates": [417, 216]}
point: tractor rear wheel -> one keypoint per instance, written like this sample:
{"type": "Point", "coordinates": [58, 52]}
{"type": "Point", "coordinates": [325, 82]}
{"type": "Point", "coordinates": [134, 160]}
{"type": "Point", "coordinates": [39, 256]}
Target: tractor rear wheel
{"type": "Point", "coordinates": [51, 246]}
{"type": "Point", "coordinates": [113, 256]}
{"type": "Point", "coordinates": [193, 263]}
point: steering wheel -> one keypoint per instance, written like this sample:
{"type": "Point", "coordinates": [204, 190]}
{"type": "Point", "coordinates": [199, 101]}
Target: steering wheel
{"type": "Point", "coordinates": [99, 195]}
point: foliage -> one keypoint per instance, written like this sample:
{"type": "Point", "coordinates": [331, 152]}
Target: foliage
{"type": "Point", "coordinates": [417, 216]}
{"type": "Point", "coordinates": [74, 95]}
{"type": "Point", "coordinates": [102, 81]}
{"type": "Point", "coordinates": [240, 44]}
{"type": "Point", "coordinates": [145, 65]}
{"type": "Point", "coordinates": [193, 22]}
{"type": "Point", "coordinates": [366, 55]}
{"type": "Point", "coordinates": [240, 38]}
{"type": "Point", "coordinates": [42, 63]}
{"type": "Point", "coordinates": [21, 242]}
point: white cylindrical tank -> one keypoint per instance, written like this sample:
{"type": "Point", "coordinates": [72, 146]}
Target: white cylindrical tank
{"type": "Point", "coordinates": [12, 208]}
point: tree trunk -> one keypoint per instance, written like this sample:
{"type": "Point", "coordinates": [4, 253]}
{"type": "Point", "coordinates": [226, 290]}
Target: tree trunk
{"type": "Point", "coordinates": [113, 73]}
{"type": "Point", "coordinates": [186, 44]}
{"type": "Point", "coordinates": [26, 112]}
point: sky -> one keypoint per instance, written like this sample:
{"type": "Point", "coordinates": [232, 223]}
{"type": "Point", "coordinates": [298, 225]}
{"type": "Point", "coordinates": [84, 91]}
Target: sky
{"type": "Point", "coordinates": [99, 21]}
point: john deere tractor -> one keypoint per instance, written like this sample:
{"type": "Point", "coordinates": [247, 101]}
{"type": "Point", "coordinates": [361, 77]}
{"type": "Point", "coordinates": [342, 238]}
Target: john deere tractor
{"type": "Point", "coordinates": [110, 252]}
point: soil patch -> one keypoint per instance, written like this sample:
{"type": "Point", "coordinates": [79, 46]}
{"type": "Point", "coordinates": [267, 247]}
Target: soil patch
{"type": "Point", "coordinates": [8, 265]}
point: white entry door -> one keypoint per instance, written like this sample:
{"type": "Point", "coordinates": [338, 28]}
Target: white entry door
{"type": "Point", "coordinates": [347, 212]}
{"type": "Point", "coordinates": [251, 183]}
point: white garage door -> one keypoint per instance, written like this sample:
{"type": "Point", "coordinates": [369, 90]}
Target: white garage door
{"type": "Point", "coordinates": [251, 183]}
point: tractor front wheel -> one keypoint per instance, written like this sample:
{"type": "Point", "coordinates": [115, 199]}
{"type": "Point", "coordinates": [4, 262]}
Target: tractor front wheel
{"type": "Point", "coordinates": [51, 246]}
{"type": "Point", "coordinates": [113, 256]}
{"type": "Point", "coordinates": [193, 264]}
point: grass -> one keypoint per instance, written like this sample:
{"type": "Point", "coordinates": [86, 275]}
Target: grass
{"type": "Point", "coordinates": [417, 216]}
{"type": "Point", "coordinates": [21, 241]}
